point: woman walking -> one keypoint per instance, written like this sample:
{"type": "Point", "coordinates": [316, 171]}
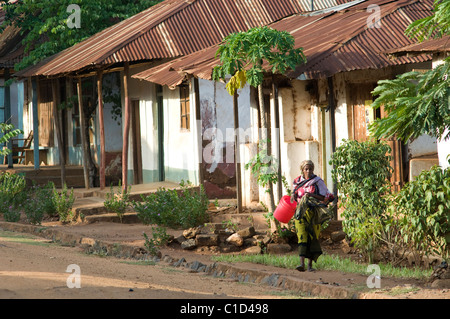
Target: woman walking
{"type": "Point", "coordinates": [312, 197]}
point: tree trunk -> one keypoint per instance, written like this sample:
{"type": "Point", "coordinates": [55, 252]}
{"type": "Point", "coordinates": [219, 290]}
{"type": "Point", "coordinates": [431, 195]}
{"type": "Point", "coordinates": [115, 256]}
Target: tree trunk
{"type": "Point", "coordinates": [263, 144]}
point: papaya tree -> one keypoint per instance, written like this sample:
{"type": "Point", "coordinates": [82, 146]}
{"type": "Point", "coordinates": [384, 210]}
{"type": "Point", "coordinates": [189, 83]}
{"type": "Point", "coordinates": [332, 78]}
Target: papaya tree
{"type": "Point", "coordinates": [247, 56]}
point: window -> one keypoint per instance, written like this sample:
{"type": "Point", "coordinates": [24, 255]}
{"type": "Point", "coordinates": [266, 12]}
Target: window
{"type": "Point", "coordinates": [185, 108]}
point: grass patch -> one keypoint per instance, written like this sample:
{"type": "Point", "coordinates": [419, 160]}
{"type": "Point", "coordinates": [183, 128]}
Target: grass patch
{"type": "Point", "coordinates": [328, 262]}
{"type": "Point", "coordinates": [7, 236]}
{"type": "Point", "coordinates": [139, 262]}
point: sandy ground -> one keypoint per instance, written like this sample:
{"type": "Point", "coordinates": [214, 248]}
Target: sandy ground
{"type": "Point", "coordinates": [39, 271]}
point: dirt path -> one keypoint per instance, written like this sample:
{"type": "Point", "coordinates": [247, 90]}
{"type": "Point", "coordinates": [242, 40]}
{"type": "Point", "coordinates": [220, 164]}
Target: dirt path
{"type": "Point", "coordinates": [36, 268]}
{"type": "Point", "coordinates": [39, 271]}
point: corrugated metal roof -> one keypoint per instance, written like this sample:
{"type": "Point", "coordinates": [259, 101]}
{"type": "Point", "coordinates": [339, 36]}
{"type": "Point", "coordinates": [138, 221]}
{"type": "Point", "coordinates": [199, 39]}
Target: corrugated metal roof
{"type": "Point", "coordinates": [170, 29]}
{"type": "Point", "coordinates": [429, 46]}
{"type": "Point", "coordinates": [333, 42]}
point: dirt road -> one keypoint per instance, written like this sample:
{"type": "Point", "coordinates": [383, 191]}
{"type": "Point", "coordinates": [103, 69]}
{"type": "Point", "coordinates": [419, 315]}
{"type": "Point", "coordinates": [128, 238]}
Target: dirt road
{"type": "Point", "coordinates": [32, 267]}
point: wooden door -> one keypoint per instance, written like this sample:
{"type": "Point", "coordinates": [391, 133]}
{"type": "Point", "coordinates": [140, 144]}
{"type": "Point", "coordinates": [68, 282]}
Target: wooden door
{"type": "Point", "coordinates": [45, 114]}
{"type": "Point", "coordinates": [363, 114]}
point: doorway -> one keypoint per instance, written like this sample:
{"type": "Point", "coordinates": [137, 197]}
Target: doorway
{"type": "Point", "coordinates": [136, 141]}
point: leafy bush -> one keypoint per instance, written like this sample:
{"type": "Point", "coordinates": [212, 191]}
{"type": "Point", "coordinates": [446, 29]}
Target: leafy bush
{"type": "Point", "coordinates": [117, 203]}
{"type": "Point", "coordinates": [362, 172]}
{"type": "Point", "coordinates": [12, 195]}
{"type": "Point", "coordinates": [159, 238]}
{"type": "Point", "coordinates": [423, 209]}
{"type": "Point", "coordinates": [63, 202]}
{"type": "Point", "coordinates": [40, 203]}
{"type": "Point", "coordinates": [174, 208]}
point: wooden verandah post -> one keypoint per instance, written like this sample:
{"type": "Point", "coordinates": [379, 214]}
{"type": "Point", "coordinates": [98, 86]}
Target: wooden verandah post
{"type": "Point", "coordinates": [126, 129]}
{"type": "Point", "coordinates": [86, 147]}
{"type": "Point", "coordinates": [102, 130]}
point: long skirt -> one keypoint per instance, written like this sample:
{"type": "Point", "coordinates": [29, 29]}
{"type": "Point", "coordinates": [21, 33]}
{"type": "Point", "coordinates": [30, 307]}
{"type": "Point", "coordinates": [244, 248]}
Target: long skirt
{"type": "Point", "coordinates": [308, 235]}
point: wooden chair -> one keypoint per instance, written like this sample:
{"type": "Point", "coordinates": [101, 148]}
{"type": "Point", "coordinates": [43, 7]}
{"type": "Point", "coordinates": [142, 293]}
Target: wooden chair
{"type": "Point", "coordinates": [20, 150]}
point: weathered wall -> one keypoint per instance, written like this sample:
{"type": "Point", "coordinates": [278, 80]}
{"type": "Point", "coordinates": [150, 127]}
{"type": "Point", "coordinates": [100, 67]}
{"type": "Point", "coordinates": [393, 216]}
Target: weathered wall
{"type": "Point", "coordinates": [217, 128]}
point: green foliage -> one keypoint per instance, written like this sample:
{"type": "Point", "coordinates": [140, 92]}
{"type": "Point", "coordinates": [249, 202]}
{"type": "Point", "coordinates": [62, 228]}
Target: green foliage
{"type": "Point", "coordinates": [174, 208]}
{"type": "Point", "coordinates": [45, 22]}
{"type": "Point", "coordinates": [416, 103]}
{"type": "Point", "coordinates": [118, 203]}
{"type": "Point", "coordinates": [8, 132]}
{"type": "Point", "coordinates": [435, 25]}
{"type": "Point", "coordinates": [248, 50]}
{"type": "Point", "coordinates": [40, 203]}
{"type": "Point", "coordinates": [12, 196]}
{"type": "Point", "coordinates": [423, 208]}
{"type": "Point", "coordinates": [63, 202]}
{"type": "Point", "coordinates": [263, 166]}
{"type": "Point", "coordinates": [362, 172]}
{"type": "Point", "coordinates": [159, 238]}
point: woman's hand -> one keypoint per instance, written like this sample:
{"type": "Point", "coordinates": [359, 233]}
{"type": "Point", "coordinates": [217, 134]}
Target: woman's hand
{"type": "Point", "coordinates": [292, 198]}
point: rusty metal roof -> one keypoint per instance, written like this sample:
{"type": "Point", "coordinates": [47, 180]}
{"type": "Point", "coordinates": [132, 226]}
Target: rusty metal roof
{"type": "Point", "coordinates": [170, 29]}
{"type": "Point", "coordinates": [429, 46]}
{"type": "Point", "coordinates": [333, 42]}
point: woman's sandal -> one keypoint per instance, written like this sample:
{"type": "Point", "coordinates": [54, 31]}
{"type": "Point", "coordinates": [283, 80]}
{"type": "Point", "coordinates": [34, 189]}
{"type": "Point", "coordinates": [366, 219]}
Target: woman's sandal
{"type": "Point", "coordinates": [300, 268]}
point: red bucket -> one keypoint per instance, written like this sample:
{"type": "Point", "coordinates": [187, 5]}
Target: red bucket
{"type": "Point", "coordinates": [285, 209]}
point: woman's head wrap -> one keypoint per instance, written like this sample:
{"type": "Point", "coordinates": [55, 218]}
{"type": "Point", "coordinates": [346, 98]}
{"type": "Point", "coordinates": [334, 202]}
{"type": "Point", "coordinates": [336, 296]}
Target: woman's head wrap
{"type": "Point", "coordinates": [306, 162]}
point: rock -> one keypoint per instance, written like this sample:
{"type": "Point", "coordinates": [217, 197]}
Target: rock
{"type": "Point", "coordinates": [247, 232]}
{"type": "Point", "coordinates": [207, 240]}
{"type": "Point", "coordinates": [196, 265]}
{"type": "Point", "coordinates": [346, 249]}
{"type": "Point", "coordinates": [179, 262]}
{"type": "Point", "coordinates": [236, 240]}
{"type": "Point", "coordinates": [191, 232]}
{"type": "Point", "coordinates": [250, 242]}
{"type": "Point", "coordinates": [87, 241]}
{"type": "Point", "coordinates": [254, 250]}
{"type": "Point", "coordinates": [188, 244]}
{"type": "Point", "coordinates": [180, 239]}
{"type": "Point", "coordinates": [441, 283]}
{"type": "Point", "coordinates": [278, 248]}
{"type": "Point", "coordinates": [337, 236]}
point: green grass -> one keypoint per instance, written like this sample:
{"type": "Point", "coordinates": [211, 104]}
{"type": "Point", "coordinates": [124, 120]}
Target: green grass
{"type": "Point", "coordinates": [8, 236]}
{"type": "Point", "coordinates": [328, 262]}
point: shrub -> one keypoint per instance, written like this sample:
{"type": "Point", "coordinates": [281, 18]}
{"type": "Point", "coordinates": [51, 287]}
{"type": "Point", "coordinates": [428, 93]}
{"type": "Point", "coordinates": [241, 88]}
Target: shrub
{"type": "Point", "coordinates": [174, 208]}
{"type": "Point", "coordinates": [117, 203]}
{"type": "Point", "coordinates": [423, 209]}
{"type": "Point", "coordinates": [39, 203]}
{"type": "Point", "coordinates": [362, 172]}
{"type": "Point", "coordinates": [63, 203]}
{"type": "Point", "coordinates": [159, 238]}
{"type": "Point", "coordinates": [12, 193]}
